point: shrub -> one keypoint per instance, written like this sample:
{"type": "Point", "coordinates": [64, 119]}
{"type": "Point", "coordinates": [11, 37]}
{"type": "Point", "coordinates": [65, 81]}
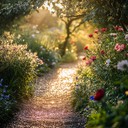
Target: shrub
{"type": "Point", "coordinates": [49, 57]}
{"type": "Point", "coordinates": [103, 83]}
{"type": "Point", "coordinates": [17, 74]}
{"type": "Point", "coordinates": [69, 57]}
{"type": "Point", "coordinates": [71, 54]}
{"type": "Point", "coordinates": [17, 68]}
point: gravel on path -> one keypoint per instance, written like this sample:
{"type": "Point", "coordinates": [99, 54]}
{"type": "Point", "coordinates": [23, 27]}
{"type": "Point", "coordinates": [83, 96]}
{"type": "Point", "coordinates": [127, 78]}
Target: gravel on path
{"type": "Point", "coordinates": [51, 105]}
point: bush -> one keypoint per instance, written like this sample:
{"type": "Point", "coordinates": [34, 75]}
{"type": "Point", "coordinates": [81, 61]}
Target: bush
{"type": "Point", "coordinates": [17, 68]}
{"type": "Point", "coordinates": [49, 57]}
{"type": "Point", "coordinates": [103, 83]}
{"type": "Point", "coordinates": [17, 74]}
{"type": "Point", "coordinates": [71, 54]}
{"type": "Point", "coordinates": [69, 57]}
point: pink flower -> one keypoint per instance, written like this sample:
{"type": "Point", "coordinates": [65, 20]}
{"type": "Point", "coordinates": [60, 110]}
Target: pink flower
{"type": "Point", "coordinates": [90, 35]}
{"type": "Point", "coordinates": [89, 62]}
{"type": "Point", "coordinates": [119, 47]}
{"type": "Point", "coordinates": [96, 31]}
{"type": "Point", "coordinates": [103, 29]}
{"type": "Point", "coordinates": [119, 28]}
{"type": "Point", "coordinates": [93, 58]}
{"type": "Point", "coordinates": [113, 34]}
{"type": "Point", "coordinates": [86, 48]}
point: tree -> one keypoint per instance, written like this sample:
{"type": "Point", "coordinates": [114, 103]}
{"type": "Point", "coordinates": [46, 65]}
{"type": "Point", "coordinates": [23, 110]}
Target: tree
{"type": "Point", "coordinates": [106, 12]}
{"type": "Point", "coordinates": [12, 9]}
{"type": "Point", "coordinates": [72, 13]}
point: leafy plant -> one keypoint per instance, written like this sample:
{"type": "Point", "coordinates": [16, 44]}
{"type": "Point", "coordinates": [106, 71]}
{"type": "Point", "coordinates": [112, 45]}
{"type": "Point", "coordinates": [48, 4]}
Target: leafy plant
{"type": "Point", "coordinates": [17, 68]}
{"type": "Point", "coordinates": [49, 57]}
{"type": "Point", "coordinates": [103, 82]}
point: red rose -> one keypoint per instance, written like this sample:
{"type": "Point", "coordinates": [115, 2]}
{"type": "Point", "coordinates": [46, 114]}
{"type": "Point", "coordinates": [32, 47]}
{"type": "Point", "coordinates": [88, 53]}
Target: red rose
{"type": "Point", "coordinates": [86, 48]}
{"type": "Point", "coordinates": [90, 35]}
{"type": "Point", "coordinates": [102, 52]}
{"type": "Point", "coordinates": [103, 29]}
{"type": "Point", "coordinates": [93, 58]}
{"type": "Point", "coordinates": [116, 27]}
{"type": "Point", "coordinates": [99, 94]}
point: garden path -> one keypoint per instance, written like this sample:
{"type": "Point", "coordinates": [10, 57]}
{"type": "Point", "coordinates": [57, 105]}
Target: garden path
{"type": "Point", "coordinates": [51, 105]}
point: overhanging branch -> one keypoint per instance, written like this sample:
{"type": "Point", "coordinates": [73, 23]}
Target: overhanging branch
{"type": "Point", "coordinates": [80, 23]}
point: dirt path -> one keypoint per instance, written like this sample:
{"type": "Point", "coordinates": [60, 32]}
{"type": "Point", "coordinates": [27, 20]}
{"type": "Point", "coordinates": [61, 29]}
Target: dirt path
{"type": "Point", "coordinates": [51, 105]}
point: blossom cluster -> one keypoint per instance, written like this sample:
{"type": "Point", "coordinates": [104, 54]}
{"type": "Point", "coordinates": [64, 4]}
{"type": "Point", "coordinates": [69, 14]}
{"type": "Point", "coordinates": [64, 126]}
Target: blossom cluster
{"type": "Point", "coordinates": [5, 99]}
{"type": "Point", "coordinates": [116, 55]}
{"type": "Point", "coordinates": [119, 47]}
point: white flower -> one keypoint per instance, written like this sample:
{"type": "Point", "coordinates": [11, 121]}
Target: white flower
{"type": "Point", "coordinates": [126, 37]}
{"type": "Point", "coordinates": [53, 63]}
{"type": "Point", "coordinates": [33, 35]}
{"type": "Point", "coordinates": [122, 65]}
{"type": "Point", "coordinates": [35, 26]}
{"type": "Point", "coordinates": [113, 34]}
{"type": "Point", "coordinates": [108, 62]}
{"type": "Point", "coordinates": [18, 37]}
{"type": "Point", "coordinates": [37, 32]}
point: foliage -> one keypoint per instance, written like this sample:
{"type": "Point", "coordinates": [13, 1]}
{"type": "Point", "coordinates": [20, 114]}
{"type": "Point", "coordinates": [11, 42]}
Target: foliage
{"type": "Point", "coordinates": [106, 69]}
{"type": "Point", "coordinates": [69, 57]}
{"type": "Point", "coordinates": [49, 57]}
{"type": "Point", "coordinates": [71, 53]}
{"type": "Point", "coordinates": [71, 13]}
{"type": "Point", "coordinates": [12, 9]}
{"type": "Point", "coordinates": [118, 118]}
{"type": "Point", "coordinates": [17, 74]}
{"type": "Point", "coordinates": [18, 69]}
{"type": "Point", "coordinates": [106, 12]}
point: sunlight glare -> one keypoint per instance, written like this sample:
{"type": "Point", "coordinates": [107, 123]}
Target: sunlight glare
{"type": "Point", "coordinates": [50, 6]}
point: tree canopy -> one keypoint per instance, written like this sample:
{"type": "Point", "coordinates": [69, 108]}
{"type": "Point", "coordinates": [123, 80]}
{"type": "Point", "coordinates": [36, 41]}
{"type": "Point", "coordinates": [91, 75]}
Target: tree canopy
{"type": "Point", "coordinates": [105, 12]}
{"type": "Point", "coordinates": [11, 9]}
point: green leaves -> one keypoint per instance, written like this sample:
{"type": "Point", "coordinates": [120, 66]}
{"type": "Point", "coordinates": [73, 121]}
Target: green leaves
{"type": "Point", "coordinates": [105, 73]}
{"type": "Point", "coordinates": [106, 12]}
{"type": "Point", "coordinates": [12, 9]}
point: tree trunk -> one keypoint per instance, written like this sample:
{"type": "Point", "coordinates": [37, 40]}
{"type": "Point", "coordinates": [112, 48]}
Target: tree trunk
{"type": "Point", "coordinates": [65, 43]}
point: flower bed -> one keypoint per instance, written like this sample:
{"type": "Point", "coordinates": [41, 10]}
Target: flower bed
{"type": "Point", "coordinates": [102, 85]}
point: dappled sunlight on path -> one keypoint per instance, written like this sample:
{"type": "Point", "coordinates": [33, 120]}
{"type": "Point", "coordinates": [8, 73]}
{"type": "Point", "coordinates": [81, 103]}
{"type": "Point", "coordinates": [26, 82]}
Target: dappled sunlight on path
{"type": "Point", "coordinates": [51, 105]}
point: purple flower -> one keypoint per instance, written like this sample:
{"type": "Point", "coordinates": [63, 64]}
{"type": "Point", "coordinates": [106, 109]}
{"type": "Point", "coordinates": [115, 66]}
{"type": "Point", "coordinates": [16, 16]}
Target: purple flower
{"type": "Point", "coordinates": [0, 85]}
{"type": "Point", "coordinates": [91, 97]}
{"type": "Point", "coordinates": [7, 96]}
{"type": "Point", "coordinates": [1, 80]}
{"type": "Point", "coordinates": [4, 91]}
